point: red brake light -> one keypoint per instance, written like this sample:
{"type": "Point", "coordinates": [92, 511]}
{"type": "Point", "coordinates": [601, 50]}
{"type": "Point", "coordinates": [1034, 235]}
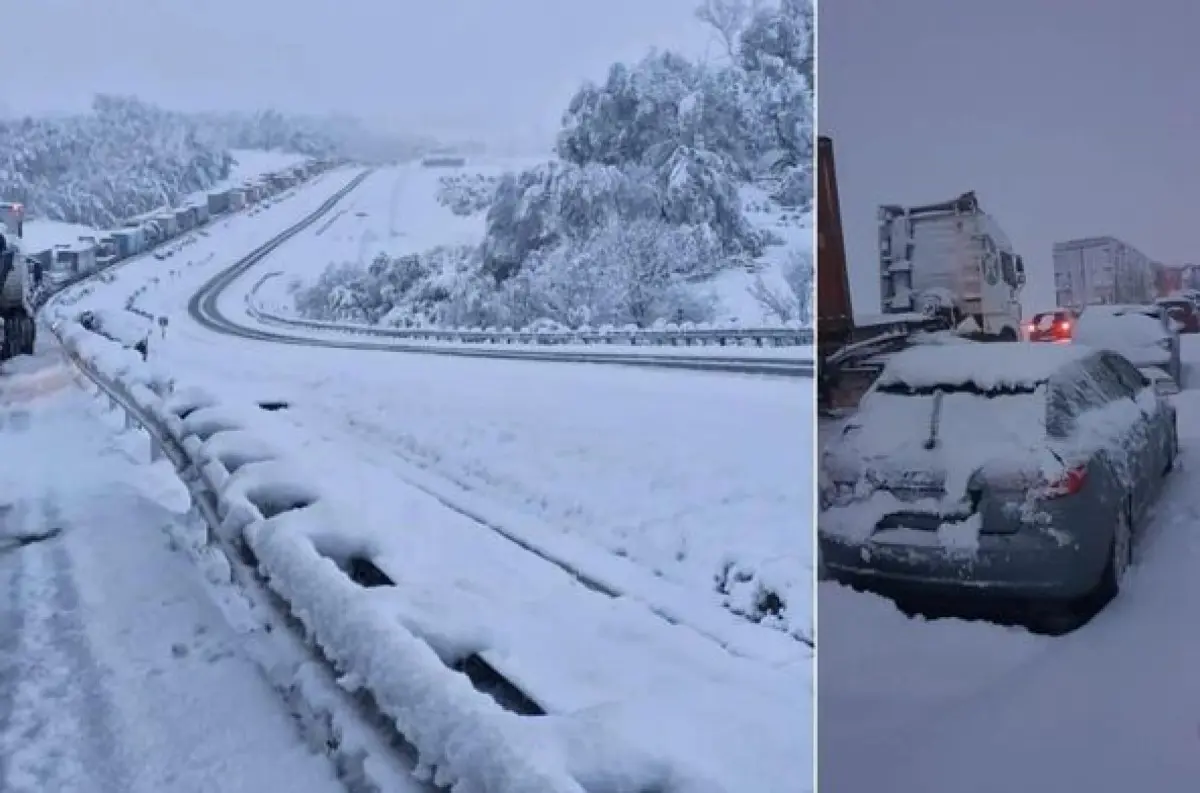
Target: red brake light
{"type": "Point", "coordinates": [1068, 484]}
{"type": "Point", "coordinates": [1064, 325]}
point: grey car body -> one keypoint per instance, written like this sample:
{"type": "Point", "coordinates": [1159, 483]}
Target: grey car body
{"type": "Point", "coordinates": [1049, 454]}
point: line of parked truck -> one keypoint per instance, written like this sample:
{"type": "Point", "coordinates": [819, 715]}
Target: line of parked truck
{"type": "Point", "coordinates": [68, 262]}
{"type": "Point", "coordinates": [28, 278]}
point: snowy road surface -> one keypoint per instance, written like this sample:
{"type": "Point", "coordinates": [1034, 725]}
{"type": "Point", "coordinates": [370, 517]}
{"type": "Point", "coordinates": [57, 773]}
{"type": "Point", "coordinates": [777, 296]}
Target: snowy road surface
{"type": "Point", "coordinates": [689, 475]}
{"type": "Point", "coordinates": [118, 671]}
{"type": "Point", "coordinates": [924, 707]}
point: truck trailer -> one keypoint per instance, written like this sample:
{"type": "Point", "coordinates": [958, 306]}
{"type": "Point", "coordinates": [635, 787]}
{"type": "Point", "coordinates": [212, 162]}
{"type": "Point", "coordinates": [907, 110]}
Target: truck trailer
{"type": "Point", "coordinates": [1101, 271]}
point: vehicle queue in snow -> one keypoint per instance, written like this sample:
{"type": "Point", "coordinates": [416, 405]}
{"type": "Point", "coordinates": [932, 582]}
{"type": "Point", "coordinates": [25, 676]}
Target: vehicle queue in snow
{"type": "Point", "coordinates": [68, 262]}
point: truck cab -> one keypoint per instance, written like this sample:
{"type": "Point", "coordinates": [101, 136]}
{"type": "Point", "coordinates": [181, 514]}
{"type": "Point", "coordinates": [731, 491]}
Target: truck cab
{"type": "Point", "coordinates": [951, 259]}
{"type": "Point", "coordinates": [16, 311]}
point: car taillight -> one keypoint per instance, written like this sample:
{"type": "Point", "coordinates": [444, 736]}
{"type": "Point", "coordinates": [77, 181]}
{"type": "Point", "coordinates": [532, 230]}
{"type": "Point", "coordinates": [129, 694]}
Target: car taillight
{"type": "Point", "coordinates": [1069, 483]}
{"type": "Point", "coordinates": [1064, 326]}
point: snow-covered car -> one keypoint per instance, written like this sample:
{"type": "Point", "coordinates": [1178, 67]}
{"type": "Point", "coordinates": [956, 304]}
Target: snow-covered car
{"type": "Point", "coordinates": [1010, 472]}
{"type": "Point", "coordinates": [1145, 335]}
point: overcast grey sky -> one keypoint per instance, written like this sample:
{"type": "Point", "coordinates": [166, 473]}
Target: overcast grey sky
{"type": "Point", "coordinates": [1069, 118]}
{"type": "Point", "coordinates": [475, 67]}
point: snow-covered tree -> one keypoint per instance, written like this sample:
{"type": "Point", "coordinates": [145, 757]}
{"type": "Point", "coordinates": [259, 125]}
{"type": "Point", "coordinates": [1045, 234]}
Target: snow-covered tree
{"type": "Point", "coordinates": [728, 18]}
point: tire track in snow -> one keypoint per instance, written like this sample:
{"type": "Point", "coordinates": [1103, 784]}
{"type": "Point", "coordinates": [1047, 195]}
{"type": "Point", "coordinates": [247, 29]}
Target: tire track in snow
{"type": "Point", "coordinates": [12, 625]}
{"type": "Point", "coordinates": [59, 732]}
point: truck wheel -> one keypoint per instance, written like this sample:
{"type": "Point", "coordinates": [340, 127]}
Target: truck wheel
{"type": "Point", "coordinates": [30, 336]}
{"type": "Point", "coordinates": [8, 346]}
{"type": "Point", "coordinates": [1007, 333]}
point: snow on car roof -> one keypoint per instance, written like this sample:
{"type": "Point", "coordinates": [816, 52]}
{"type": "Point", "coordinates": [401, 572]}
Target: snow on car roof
{"type": "Point", "coordinates": [1119, 331]}
{"type": "Point", "coordinates": [1117, 310]}
{"type": "Point", "coordinates": [987, 366]}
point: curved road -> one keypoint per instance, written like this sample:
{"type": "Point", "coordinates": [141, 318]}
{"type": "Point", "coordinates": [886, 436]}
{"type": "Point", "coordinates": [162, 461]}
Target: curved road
{"type": "Point", "coordinates": [205, 311]}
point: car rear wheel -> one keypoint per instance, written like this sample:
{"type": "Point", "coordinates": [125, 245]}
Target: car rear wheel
{"type": "Point", "coordinates": [1173, 450]}
{"type": "Point", "coordinates": [1057, 618]}
{"type": "Point", "coordinates": [1121, 557]}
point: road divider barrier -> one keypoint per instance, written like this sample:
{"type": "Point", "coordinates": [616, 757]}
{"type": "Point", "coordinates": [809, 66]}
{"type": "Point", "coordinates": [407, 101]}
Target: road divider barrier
{"type": "Point", "coordinates": [669, 336]}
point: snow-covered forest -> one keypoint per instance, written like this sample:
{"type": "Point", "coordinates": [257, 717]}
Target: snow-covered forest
{"type": "Point", "coordinates": [664, 175]}
{"type": "Point", "coordinates": [317, 136]}
{"type": "Point", "coordinates": [123, 158]}
{"type": "Point", "coordinates": [126, 156]}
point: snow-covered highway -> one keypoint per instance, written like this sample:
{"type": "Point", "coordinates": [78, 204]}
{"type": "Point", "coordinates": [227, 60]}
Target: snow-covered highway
{"type": "Point", "coordinates": [477, 483]}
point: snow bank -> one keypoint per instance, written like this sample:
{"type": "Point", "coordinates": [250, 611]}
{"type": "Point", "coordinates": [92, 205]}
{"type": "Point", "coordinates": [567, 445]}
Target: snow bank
{"type": "Point", "coordinates": [633, 702]}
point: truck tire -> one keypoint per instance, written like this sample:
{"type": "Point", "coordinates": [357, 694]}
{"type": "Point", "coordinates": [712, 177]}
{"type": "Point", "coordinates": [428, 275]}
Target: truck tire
{"type": "Point", "coordinates": [29, 337]}
{"type": "Point", "coordinates": [8, 345]}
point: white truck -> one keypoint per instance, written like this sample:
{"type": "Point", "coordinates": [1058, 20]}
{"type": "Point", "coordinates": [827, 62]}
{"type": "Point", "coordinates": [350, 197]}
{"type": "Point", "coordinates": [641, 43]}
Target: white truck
{"type": "Point", "coordinates": [17, 281]}
{"type": "Point", "coordinates": [951, 260]}
{"type": "Point", "coordinates": [1099, 271]}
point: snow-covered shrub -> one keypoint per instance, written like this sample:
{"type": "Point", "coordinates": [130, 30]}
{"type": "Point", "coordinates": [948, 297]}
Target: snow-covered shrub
{"type": "Point", "coordinates": [466, 194]}
{"type": "Point", "coordinates": [790, 301]}
{"type": "Point", "coordinates": [407, 290]}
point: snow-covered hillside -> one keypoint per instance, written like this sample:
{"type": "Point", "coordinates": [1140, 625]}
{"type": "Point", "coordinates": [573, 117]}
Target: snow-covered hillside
{"type": "Point", "coordinates": [127, 157]}
{"type": "Point", "coordinates": [681, 192]}
{"type": "Point", "coordinates": [123, 159]}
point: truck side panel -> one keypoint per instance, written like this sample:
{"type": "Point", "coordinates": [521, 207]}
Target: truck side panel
{"type": "Point", "coordinates": [1100, 270]}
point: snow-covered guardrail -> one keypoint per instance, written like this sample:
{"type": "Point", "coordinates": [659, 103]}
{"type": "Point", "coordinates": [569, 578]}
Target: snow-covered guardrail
{"type": "Point", "coordinates": [274, 527]}
{"type": "Point", "coordinates": [670, 336]}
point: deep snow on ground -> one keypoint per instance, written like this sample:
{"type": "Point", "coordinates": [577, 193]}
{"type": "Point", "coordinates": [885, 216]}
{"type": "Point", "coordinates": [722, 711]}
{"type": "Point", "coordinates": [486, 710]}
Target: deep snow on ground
{"type": "Point", "coordinates": [912, 706]}
{"type": "Point", "coordinates": [42, 234]}
{"type": "Point", "coordinates": [679, 472]}
{"type": "Point", "coordinates": [118, 673]}
{"type": "Point", "coordinates": [397, 212]}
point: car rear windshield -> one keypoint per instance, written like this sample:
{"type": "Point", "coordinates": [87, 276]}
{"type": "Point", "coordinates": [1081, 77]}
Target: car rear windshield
{"type": "Point", "coordinates": [895, 418]}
